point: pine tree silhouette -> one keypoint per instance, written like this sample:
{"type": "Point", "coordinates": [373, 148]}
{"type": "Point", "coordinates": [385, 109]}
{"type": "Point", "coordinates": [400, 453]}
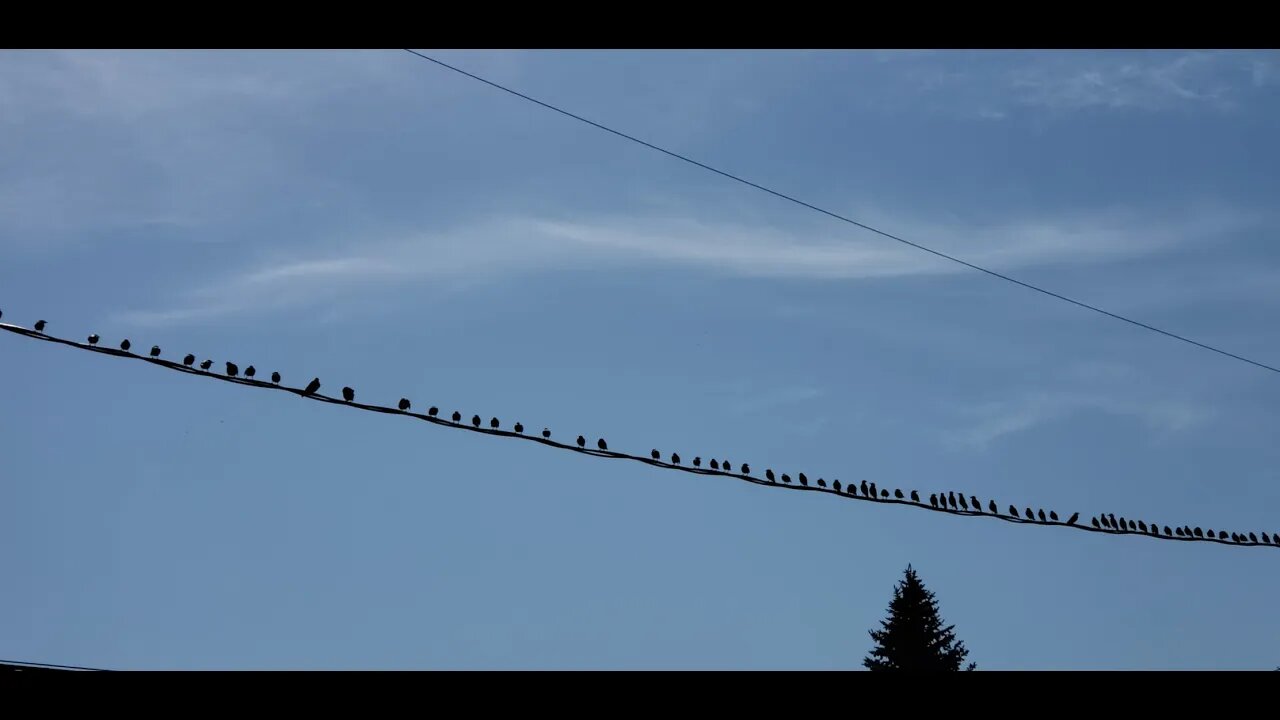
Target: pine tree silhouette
{"type": "Point", "coordinates": [913, 637]}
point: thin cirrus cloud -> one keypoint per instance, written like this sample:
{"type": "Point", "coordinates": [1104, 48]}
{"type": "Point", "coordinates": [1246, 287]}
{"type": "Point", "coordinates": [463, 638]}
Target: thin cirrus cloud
{"type": "Point", "coordinates": [501, 249]}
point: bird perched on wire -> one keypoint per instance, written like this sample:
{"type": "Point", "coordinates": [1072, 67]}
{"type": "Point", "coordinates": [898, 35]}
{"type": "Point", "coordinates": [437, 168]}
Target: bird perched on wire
{"type": "Point", "coordinates": [275, 378]}
{"type": "Point", "coordinates": [897, 493]}
{"type": "Point", "coordinates": [714, 465]}
{"type": "Point", "coordinates": [189, 360]}
{"type": "Point", "coordinates": [933, 499]}
{"type": "Point", "coordinates": [312, 387]}
{"type": "Point", "coordinates": [493, 423]}
{"type": "Point", "coordinates": [155, 351]}
{"type": "Point", "coordinates": [457, 416]}
{"type": "Point", "coordinates": [1054, 517]}
{"type": "Point", "coordinates": [232, 369]}
{"type": "Point", "coordinates": [250, 371]}
{"type": "Point", "coordinates": [675, 460]}
{"type": "Point", "coordinates": [125, 345]}
{"type": "Point", "coordinates": [582, 442]}
{"type": "Point", "coordinates": [208, 364]}
{"type": "Point", "coordinates": [404, 404]}
{"type": "Point", "coordinates": [746, 469]}
{"type": "Point", "coordinates": [40, 325]}
{"type": "Point", "coordinates": [786, 478]}
{"type": "Point", "coordinates": [803, 480]}
{"type": "Point", "coordinates": [977, 504]}
{"type": "Point", "coordinates": [475, 420]}
{"type": "Point", "coordinates": [348, 394]}
{"type": "Point", "coordinates": [602, 444]}
{"type": "Point", "coordinates": [915, 496]}
{"type": "Point", "coordinates": [546, 434]}
{"type": "Point", "coordinates": [519, 429]}
{"type": "Point", "coordinates": [964, 504]}
{"type": "Point", "coordinates": [822, 483]}
{"type": "Point", "coordinates": [992, 507]}
{"type": "Point", "coordinates": [835, 485]}
{"type": "Point", "coordinates": [93, 339]}
{"type": "Point", "coordinates": [768, 474]}
{"type": "Point", "coordinates": [697, 461]}
{"type": "Point", "coordinates": [655, 454]}
{"type": "Point", "coordinates": [1074, 517]}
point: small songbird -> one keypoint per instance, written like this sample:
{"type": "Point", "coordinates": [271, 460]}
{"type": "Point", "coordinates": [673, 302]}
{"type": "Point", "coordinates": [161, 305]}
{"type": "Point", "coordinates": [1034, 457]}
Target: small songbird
{"type": "Point", "coordinates": [1095, 523]}
{"type": "Point", "coordinates": [1013, 511]}
{"type": "Point", "coordinates": [786, 478]}
{"type": "Point", "coordinates": [768, 474]}
{"type": "Point", "coordinates": [40, 325]}
{"type": "Point", "coordinates": [125, 345]}
{"type": "Point", "coordinates": [475, 421]}
{"type": "Point", "coordinates": [520, 429]}
{"type": "Point", "coordinates": [155, 351]}
{"type": "Point", "coordinates": [697, 461]}
{"type": "Point", "coordinates": [714, 465]}
{"type": "Point", "coordinates": [312, 386]}
{"type": "Point", "coordinates": [1042, 517]}
{"type": "Point", "coordinates": [602, 444]}
{"type": "Point", "coordinates": [803, 480]}
{"type": "Point", "coordinates": [1030, 515]}
{"type": "Point", "coordinates": [275, 378]}
{"type": "Point", "coordinates": [897, 493]}
{"type": "Point", "coordinates": [884, 493]}
{"type": "Point", "coordinates": [189, 360]}
{"type": "Point", "coordinates": [493, 423]}
{"type": "Point", "coordinates": [915, 496]}
{"type": "Point", "coordinates": [232, 370]}
{"type": "Point", "coordinates": [675, 460]}
{"type": "Point", "coordinates": [1143, 527]}
{"type": "Point", "coordinates": [951, 500]}
{"type": "Point", "coordinates": [1074, 517]}
{"type": "Point", "coordinates": [933, 499]}
{"type": "Point", "coordinates": [433, 411]}
{"type": "Point", "coordinates": [1053, 516]}
{"type": "Point", "coordinates": [977, 504]}
{"type": "Point", "coordinates": [835, 485]}
{"type": "Point", "coordinates": [655, 454]}
{"type": "Point", "coordinates": [348, 394]}
{"type": "Point", "coordinates": [992, 507]}
{"type": "Point", "coordinates": [209, 363]}
{"type": "Point", "coordinates": [964, 504]}
{"type": "Point", "coordinates": [865, 490]}
{"type": "Point", "coordinates": [250, 371]}
{"type": "Point", "coordinates": [746, 469]}
{"type": "Point", "coordinates": [93, 339]}
{"type": "Point", "coordinates": [404, 402]}
{"type": "Point", "coordinates": [546, 434]}
{"type": "Point", "coordinates": [822, 483]}
{"type": "Point", "coordinates": [582, 442]}
{"type": "Point", "coordinates": [457, 416]}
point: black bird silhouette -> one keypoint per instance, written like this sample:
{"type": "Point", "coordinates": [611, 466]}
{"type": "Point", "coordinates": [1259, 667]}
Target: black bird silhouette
{"type": "Point", "coordinates": [493, 423]}
{"type": "Point", "coordinates": [933, 499]}
{"type": "Point", "coordinates": [1030, 516]}
{"type": "Point", "coordinates": [232, 370]}
{"type": "Point", "coordinates": [714, 465]}
{"type": "Point", "coordinates": [1113, 521]}
{"type": "Point", "coordinates": [1253, 538]}
{"type": "Point", "coordinates": [786, 478]}
{"type": "Point", "coordinates": [884, 493]}
{"type": "Point", "coordinates": [1178, 531]}
{"type": "Point", "coordinates": [1235, 537]}
{"type": "Point", "coordinates": [697, 462]}
{"type": "Point", "coordinates": [602, 444]}
{"type": "Point", "coordinates": [1074, 517]}
{"type": "Point", "coordinates": [155, 351]}
{"type": "Point", "coordinates": [1265, 539]}
{"type": "Point", "coordinates": [769, 474]}
{"type": "Point", "coordinates": [726, 466]}
{"type": "Point", "coordinates": [1105, 522]}
{"type": "Point", "coordinates": [519, 429]}
{"type": "Point", "coordinates": [897, 493]}
{"type": "Point", "coordinates": [975, 502]}
{"type": "Point", "coordinates": [206, 364]}
{"type": "Point", "coordinates": [250, 371]}
{"type": "Point", "coordinates": [1167, 532]}
{"type": "Point", "coordinates": [93, 340]}
{"type": "Point", "coordinates": [546, 433]}
{"type": "Point", "coordinates": [275, 378]}
{"type": "Point", "coordinates": [475, 421]}
{"type": "Point", "coordinates": [189, 360]}
{"type": "Point", "coordinates": [915, 496]}
{"type": "Point", "coordinates": [404, 402]}
{"type": "Point", "coordinates": [433, 411]}
{"type": "Point", "coordinates": [1142, 526]}
{"type": "Point", "coordinates": [865, 490]}
{"type": "Point", "coordinates": [1053, 516]}
{"type": "Point", "coordinates": [348, 394]}
{"type": "Point", "coordinates": [457, 416]}
{"type": "Point", "coordinates": [746, 469]}
{"type": "Point", "coordinates": [992, 507]}
{"type": "Point", "coordinates": [675, 460]}
{"type": "Point", "coordinates": [1123, 525]}
{"type": "Point", "coordinates": [1186, 530]}
{"type": "Point", "coordinates": [1013, 511]}
{"type": "Point", "coordinates": [822, 483]}
{"type": "Point", "coordinates": [40, 325]}
{"type": "Point", "coordinates": [125, 345]}
{"type": "Point", "coordinates": [873, 489]}
{"type": "Point", "coordinates": [803, 480]}
{"type": "Point", "coordinates": [1210, 534]}
{"type": "Point", "coordinates": [1041, 514]}
{"type": "Point", "coordinates": [312, 386]}
{"type": "Point", "coordinates": [951, 500]}
{"type": "Point", "coordinates": [1133, 526]}
{"type": "Point", "coordinates": [655, 454]}
{"type": "Point", "coordinates": [1155, 529]}
{"type": "Point", "coordinates": [964, 504]}
{"type": "Point", "coordinates": [835, 485]}
{"type": "Point", "coordinates": [582, 442]}
{"type": "Point", "coordinates": [1094, 522]}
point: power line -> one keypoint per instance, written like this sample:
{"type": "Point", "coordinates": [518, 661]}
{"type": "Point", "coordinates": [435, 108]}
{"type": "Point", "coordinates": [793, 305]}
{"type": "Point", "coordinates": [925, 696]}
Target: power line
{"type": "Point", "coordinates": [1108, 523]}
{"type": "Point", "coordinates": [842, 218]}
{"type": "Point", "coordinates": [20, 664]}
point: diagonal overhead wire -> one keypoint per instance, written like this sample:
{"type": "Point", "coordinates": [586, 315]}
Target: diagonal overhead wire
{"type": "Point", "coordinates": [842, 218]}
{"type": "Point", "coordinates": [1108, 523]}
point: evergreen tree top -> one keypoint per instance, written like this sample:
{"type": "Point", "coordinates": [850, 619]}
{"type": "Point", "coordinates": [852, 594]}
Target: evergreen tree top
{"type": "Point", "coordinates": [913, 636]}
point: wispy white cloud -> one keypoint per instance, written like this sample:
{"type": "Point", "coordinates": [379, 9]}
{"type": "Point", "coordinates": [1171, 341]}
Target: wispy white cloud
{"type": "Point", "coordinates": [985, 423]}
{"type": "Point", "coordinates": [487, 250]}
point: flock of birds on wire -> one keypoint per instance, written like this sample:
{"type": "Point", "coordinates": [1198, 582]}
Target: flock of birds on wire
{"type": "Point", "coordinates": [948, 501]}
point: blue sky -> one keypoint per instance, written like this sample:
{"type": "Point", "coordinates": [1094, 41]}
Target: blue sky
{"type": "Point", "coordinates": [379, 222]}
